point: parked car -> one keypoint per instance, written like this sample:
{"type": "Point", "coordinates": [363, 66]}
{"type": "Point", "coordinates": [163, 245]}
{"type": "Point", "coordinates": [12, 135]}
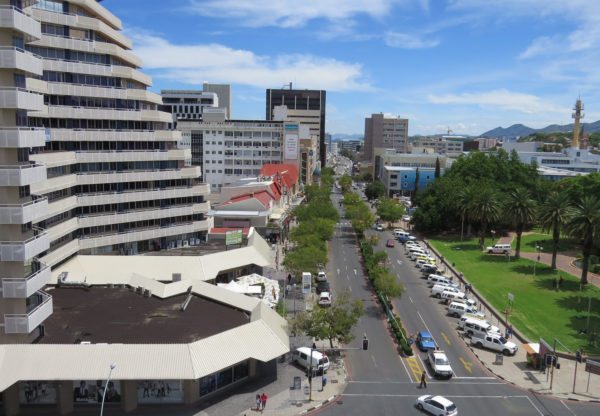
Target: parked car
{"type": "Point", "coordinates": [428, 269]}
{"type": "Point", "coordinates": [439, 364]}
{"type": "Point", "coordinates": [302, 356]}
{"type": "Point", "coordinates": [322, 286]}
{"type": "Point", "coordinates": [495, 342]}
{"type": "Point", "coordinates": [321, 277]}
{"type": "Point", "coordinates": [379, 227]}
{"type": "Point", "coordinates": [425, 341]}
{"type": "Point", "coordinates": [325, 299]}
{"type": "Point", "coordinates": [390, 243]}
{"type": "Point", "coordinates": [437, 405]}
{"type": "Point", "coordinates": [477, 327]}
{"type": "Point", "coordinates": [499, 249]}
{"type": "Point", "coordinates": [437, 290]}
{"type": "Point", "coordinates": [458, 309]}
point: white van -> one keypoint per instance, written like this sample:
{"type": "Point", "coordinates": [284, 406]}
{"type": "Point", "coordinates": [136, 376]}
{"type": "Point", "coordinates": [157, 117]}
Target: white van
{"type": "Point", "coordinates": [302, 356]}
{"type": "Point", "coordinates": [499, 249]}
{"type": "Point", "coordinates": [458, 309]}
{"type": "Point", "coordinates": [478, 327]}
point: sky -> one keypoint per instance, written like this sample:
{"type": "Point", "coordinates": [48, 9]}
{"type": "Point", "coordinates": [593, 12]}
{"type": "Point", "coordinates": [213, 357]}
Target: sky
{"type": "Point", "coordinates": [463, 65]}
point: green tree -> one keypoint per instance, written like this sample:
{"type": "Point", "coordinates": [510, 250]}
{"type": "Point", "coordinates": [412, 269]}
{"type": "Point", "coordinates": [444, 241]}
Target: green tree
{"type": "Point", "coordinates": [374, 190]}
{"type": "Point", "coordinates": [361, 217]}
{"type": "Point", "coordinates": [464, 200]}
{"type": "Point", "coordinates": [553, 214]}
{"type": "Point", "coordinates": [438, 169]}
{"type": "Point", "coordinates": [334, 323]}
{"type": "Point", "coordinates": [367, 177]}
{"type": "Point", "coordinates": [485, 210]}
{"type": "Point", "coordinates": [387, 285]}
{"type": "Point", "coordinates": [345, 183]}
{"type": "Point", "coordinates": [305, 258]}
{"type": "Point", "coordinates": [390, 210]}
{"type": "Point", "coordinates": [349, 154]}
{"type": "Point", "coordinates": [520, 208]}
{"type": "Point", "coordinates": [584, 223]}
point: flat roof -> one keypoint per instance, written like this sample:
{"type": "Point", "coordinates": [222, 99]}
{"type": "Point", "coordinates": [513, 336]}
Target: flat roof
{"type": "Point", "coordinates": [119, 315]}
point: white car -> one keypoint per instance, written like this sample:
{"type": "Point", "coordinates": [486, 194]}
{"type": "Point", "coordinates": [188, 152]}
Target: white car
{"type": "Point", "coordinates": [321, 277]}
{"type": "Point", "coordinates": [437, 291]}
{"type": "Point", "coordinates": [437, 405]}
{"type": "Point", "coordinates": [439, 363]}
{"type": "Point", "coordinates": [406, 218]}
{"type": "Point", "coordinates": [325, 299]}
{"type": "Point", "coordinates": [379, 227]}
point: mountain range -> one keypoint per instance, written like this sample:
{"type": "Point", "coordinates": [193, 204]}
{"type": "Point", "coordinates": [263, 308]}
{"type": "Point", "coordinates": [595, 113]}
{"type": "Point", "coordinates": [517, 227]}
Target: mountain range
{"type": "Point", "coordinates": [522, 130]}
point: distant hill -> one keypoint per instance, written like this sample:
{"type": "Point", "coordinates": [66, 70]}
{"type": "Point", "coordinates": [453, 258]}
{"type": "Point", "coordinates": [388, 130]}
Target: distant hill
{"type": "Point", "coordinates": [522, 130]}
{"type": "Point", "coordinates": [342, 136]}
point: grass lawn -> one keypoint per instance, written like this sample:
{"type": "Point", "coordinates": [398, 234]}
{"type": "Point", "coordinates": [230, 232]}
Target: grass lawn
{"type": "Point", "coordinates": [539, 310]}
{"type": "Point", "coordinates": [565, 245]}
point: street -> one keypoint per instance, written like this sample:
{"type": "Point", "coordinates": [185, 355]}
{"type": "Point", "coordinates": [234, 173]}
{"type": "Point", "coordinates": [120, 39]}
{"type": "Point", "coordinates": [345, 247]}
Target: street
{"type": "Point", "coordinates": [382, 382]}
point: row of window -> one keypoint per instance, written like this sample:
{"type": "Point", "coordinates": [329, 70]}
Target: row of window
{"type": "Point", "coordinates": [91, 80]}
{"type": "Point", "coordinates": [127, 226]}
{"type": "Point", "coordinates": [140, 205]}
{"type": "Point", "coordinates": [75, 56]}
{"type": "Point", "coordinates": [92, 124]}
{"type": "Point", "coordinates": [74, 146]}
{"type": "Point", "coordinates": [97, 102]}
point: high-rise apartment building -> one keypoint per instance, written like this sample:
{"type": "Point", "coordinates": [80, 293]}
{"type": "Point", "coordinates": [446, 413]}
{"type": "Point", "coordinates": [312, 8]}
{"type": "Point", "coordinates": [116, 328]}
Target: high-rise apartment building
{"type": "Point", "coordinates": [306, 107]}
{"type": "Point", "coordinates": [87, 164]}
{"type": "Point", "coordinates": [188, 104]}
{"type": "Point", "coordinates": [223, 91]}
{"type": "Point", "coordinates": [383, 131]}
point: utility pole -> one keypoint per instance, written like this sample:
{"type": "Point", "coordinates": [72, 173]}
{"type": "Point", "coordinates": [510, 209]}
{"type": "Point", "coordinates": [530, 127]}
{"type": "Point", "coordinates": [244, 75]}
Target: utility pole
{"type": "Point", "coordinates": [553, 364]}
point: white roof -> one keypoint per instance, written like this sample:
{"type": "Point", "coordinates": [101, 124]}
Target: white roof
{"type": "Point", "coordinates": [263, 338]}
{"type": "Point", "coordinates": [97, 270]}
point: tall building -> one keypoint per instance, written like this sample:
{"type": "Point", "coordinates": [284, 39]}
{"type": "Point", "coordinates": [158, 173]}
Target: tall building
{"type": "Point", "coordinates": [188, 104]}
{"type": "Point", "coordinates": [306, 107]}
{"type": "Point", "coordinates": [385, 132]}
{"type": "Point", "coordinates": [88, 165]}
{"type": "Point", "coordinates": [223, 91]}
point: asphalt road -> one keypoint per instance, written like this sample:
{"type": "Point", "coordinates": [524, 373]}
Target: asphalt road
{"type": "Point", "coordinates": [383, 383]}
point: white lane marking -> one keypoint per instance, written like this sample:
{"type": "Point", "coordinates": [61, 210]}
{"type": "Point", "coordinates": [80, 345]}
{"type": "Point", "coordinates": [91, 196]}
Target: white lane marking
{"type": "Point", "coordinates": [374, 362]}
{"type": "Point", "coordinates": [409, 298]}
{"type": "Point", "coordinates": [399, 262]}
{"type": "Point", "coordinates": [430, 333]}
{"type": "Point", "coordinates": [338, 271]}
{"type": "Point", "coordinates": [405, 368]}
{"type": "Point", "coordinates": [347, 277]}
{"type": "Point", "coordinates": [447, 396]}
{"type": "Point", "coordinates": [568, 408]}
{"type": "Point", "coordinates": [350, 289]}
{"type": "Point", "coordinates": [355, 274]}
{"type": "Point", "coordinates": [423, 364]}
{"type": "Point", "coordinates": [534, 406]}
{"type": "Point", "coordinates": [429, 382]}
{"type": "Point", "coordinates": [474, 378]}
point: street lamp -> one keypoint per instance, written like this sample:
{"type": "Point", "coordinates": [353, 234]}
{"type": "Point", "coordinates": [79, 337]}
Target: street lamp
{"type": "Point", "coordinates": [538, 249]}
{"type": "Point", "coordinates": [294, 299]}
{"type": "Point", "coordinates": [112, 367]}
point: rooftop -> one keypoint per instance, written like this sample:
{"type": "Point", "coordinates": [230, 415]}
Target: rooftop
{"type": "Point", "coordinates": [119, 315]}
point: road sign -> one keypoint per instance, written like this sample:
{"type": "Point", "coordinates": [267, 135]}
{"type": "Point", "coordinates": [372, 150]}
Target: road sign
{"type": "Point", "coordinates": [233, 237]}
{"type": "Point", "coordinates": [306, 283]}
{"type": "Point", "coordinates": [592, 367]}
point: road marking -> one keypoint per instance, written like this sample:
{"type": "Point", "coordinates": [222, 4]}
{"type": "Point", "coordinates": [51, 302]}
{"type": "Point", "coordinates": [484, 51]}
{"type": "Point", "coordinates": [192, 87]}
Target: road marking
{"type": "Point", "coordinates": [568, 408]}
{"type": "Point", "coordinates": [474, 378]}
{"type": "Point", "coordinates": [534, 406]}
{"type": "Point", "coordinates": [468, 365]}
{"type": "Point", "coordinates": [447, 396]}
{"type": "Point", "coordinates": [427, 328]}
{"type": "Point", "coordinates": [355, 274]}
{"type": "Point", "coordinates": [446, 338]}
{"type": "Point", "coordinates": [347, 277]}
{"type": "Point", "coordinates": [350, 289]}
{"type": "Point", "coordinates": [414, 367]}
{"type": "Point", "coordinates": [399, 262]}
{"type": "Point", "coordinates": [338, 271]}
{"type": "Point", "coordinates": [405, 369]}
{"type": "Point", "coordinates": [409, 298]}
{"type": "Point", "coordinates": [374, 362]}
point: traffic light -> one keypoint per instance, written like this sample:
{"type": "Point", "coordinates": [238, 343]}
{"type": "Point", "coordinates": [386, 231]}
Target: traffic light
{"type": "Point", "coordinates": [365, 344]}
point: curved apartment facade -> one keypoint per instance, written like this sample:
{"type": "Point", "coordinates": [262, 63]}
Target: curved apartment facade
{"type": "Point", "coordinates": [87, 164]}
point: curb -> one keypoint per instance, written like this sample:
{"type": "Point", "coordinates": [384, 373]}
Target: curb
{"type": "Point", "coordinates": [310, 409]}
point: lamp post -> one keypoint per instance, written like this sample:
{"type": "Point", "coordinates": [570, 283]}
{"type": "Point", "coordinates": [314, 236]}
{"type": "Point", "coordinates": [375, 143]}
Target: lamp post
{"type": "Point", "coordinates": [294, 299]}
{"type": "Point", "coordinates": [538, 249]}
{"type": "Point", "coordinates": [112, 367]}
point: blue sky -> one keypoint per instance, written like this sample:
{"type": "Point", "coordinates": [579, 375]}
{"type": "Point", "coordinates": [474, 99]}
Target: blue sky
{"type": "Point", "coordinates": [467, 65]}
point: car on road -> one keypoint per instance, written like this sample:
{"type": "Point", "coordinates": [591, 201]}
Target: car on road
{"type": "Point", "coordinates": [428, 269]}
{"type": "Point", "coordinates": [437, 290]}
{"type": "Point", "coordinates": [421, 262]}
{"type": "Point", "coordinates": [406, 218]}
{"type": "Point", "coordinates": [390, 243]}
{"type": "Point", "coordinates": [436, 405]}
{"type": "Point", "coordinates": [439, 364]}
{"type": "Point", "coordinates": [325, 299]}
{"type": "Point", "coordinates": [495, 342]}
{"type": "Point", "coordinates": [379, 227]}
{"type": "Point", "coordinates": [458, 309]}
{"type": "Point", "coordinates": [425, 341]}
{"type": "Point", "coordinates": [321, 277]}
{"type": "Point", "coordinates": [322, 286]}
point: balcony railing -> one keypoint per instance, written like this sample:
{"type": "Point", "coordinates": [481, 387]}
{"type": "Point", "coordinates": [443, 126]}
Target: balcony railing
{"type": "Point", "coordinates": [21, 175]}
{"type": "Point", "coordinates": [25, 323]}
{"type": "Point", "coordinates": [25, 250]}
{"type": "Point", "coordinates": [23, 213]}
{"type": "Point", "coordinates": [24, 287]}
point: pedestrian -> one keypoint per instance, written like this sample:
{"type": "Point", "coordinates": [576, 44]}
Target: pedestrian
{"type": "Point", "coordinates": [323, 382]}
{"type": "Point", "coordinates": [423, 380]}
{"type": "Point", "coordinates": [263, 400]}
{"type": "Point", "coordinates": [257, 402]}
{"type": "Point", "coordinates": [556, 283]}
{"type": "Point", "coordinates": [560, 281]}
{"type": "Point", "coordinates": [289, 278]}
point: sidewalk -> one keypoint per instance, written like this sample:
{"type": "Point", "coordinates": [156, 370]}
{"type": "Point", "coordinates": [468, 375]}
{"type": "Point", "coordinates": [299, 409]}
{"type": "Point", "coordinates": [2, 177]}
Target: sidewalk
{"type": "Point", "coordinates": [514, 369]}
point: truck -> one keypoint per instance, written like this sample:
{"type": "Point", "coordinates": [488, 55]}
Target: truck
{"type": "Point", "coordinates": [495, 342]}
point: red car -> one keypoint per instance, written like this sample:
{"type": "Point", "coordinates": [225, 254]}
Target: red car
{"type": "Point", "coordinates": [390, 243]}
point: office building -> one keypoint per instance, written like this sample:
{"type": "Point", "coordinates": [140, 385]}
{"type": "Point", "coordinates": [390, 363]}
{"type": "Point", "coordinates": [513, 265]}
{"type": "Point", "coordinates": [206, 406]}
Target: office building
{"type": "Point", "coordinates": [194, 104]}
{"type": "Point", "coordinates": [444, 145]}
{"type": "Point", "coordinates": [570, 159]}
{"type": "Point", "coordinates": [223, 91]}
{"type": "Point", "coordinates": [306, 107]}
{"type": "Point", "coordinates": [88, 165]}
{"type": "Point", "coordinates": [350, 145]}
{"type": "Point", "coordinates": [385, 132]}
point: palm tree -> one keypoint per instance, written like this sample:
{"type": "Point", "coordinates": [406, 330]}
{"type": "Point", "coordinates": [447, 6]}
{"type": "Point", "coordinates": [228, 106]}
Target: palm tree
{"type": "Point", "coordinates": [584, 223]}
{"type": "Point", "coordinates": [521, 209]}
{"type": "Point", "coordinates": [484, 209]}
{"type": "Point", "coordinates": [552, 215]}
{"type": "Point", "coordinates": [464, 200]}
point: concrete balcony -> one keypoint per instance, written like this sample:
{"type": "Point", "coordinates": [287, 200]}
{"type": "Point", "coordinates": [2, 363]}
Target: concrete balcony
{"type": "Point", "coordinates": [31, 211]}
{"type": "Point", "coordinates": [20, 137]}
{"type": "Point", "coordinates": [113, 135]}
{"type": "Point", "coordinates": [101, 13]}
{"type": "Point", "coordinates": [96, 69]}
{"type": "Point", "coordinates": [62, 205]}
{"type": "Point", "coordinates": [82, 22]}
{"type": "Point", "coordinates": [36, 85]}
{"type": "Point", "coordinates": [140, 215]}
{"type": "Point", "coordinates": [59, 230]}
{"type": "Point", "coordinates": [21, 175]}
{"type": "Point", "coordinates": [16, 58]}
{"type": "Point", "coordinates": [61, 253]}
{"type": "Point", "coordinates": [54, 184]}
{"type": "Point", "coordinates": [130, 73]}
{"type": "Point", "coordinates": [144, 234]}
{"type": "Point", "coordinates": [21, 99]}
{"type": "Point", "coordinates": [24, 250]}
{"type": "Point", "coordinates": [27, 322]}
{"type": "Point", "coordinates": [27, 286]}
{"type": "Point", "coordinates": [138, 176]}
{"type": "Point", "coordinates": [61, 88]}
{"type": "Point", "coordinates": [155, 115]}
{"type": "Point", "coordinates": [54, 159]}
{"type": "Point", "coordinates": [148, 195]}
{"type": "Point", "coordinates": [133, 156]}
{"type": "Point", "coordinates": [13, 18]}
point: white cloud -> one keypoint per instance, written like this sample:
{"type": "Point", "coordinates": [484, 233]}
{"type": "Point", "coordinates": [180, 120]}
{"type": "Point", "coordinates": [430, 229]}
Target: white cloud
{"type": "Point", "coordinates": [193, 64]}
{"type": "Point", "coordinates": [289, 13]}
{"type": "Point", "coordinates": [541, 46]}
{"type": "Point", "coordinates": [504, 99]}
{"type": "Point", "coordinates": [406, 41]}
